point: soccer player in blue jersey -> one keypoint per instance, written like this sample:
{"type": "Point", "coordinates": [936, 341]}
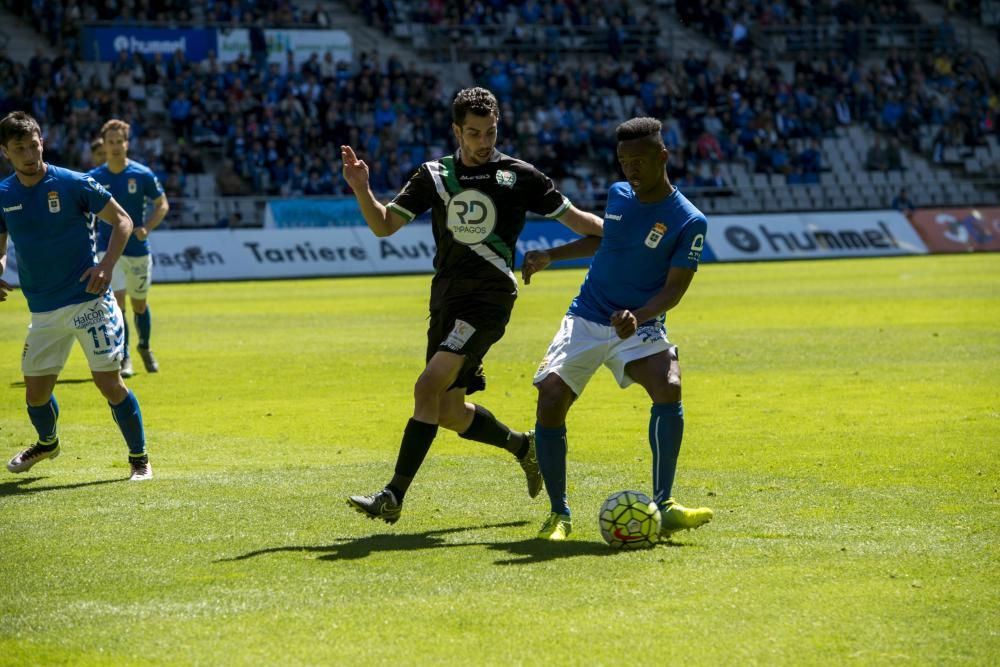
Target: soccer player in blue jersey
{"type": "Point", "coordinates": [643, 265]}
{"type": "Point", "coordinates": [48, 212]}
{"type": "Point", "coordinates": [137, 189]}
{"type": "Point", "coordinates": [478, 198]}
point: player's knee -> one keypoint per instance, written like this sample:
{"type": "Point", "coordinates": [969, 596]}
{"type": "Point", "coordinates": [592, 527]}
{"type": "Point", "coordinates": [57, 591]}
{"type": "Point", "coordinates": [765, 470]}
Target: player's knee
{"type": "Point", "coordinates": [428, 387]}
{"type": "Point", "coordinates": [111, 387]}
{"type": "Point", "coordinates": [668, 391]}
{"type": "Point", "coordinates": [554, 400]}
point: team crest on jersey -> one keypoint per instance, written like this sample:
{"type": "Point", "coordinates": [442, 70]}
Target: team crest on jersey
{"type": "Point", "coordinates": [133, 187]}
{"type": "Point", "coordinates": [506, 178]}
{"type": "Point", "coordinates": [54, 206]}
{"type": "Point", "coordinates": [656, 235]}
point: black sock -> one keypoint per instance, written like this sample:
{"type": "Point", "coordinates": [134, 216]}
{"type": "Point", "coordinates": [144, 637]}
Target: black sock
{"type": "Point", "coordinates": [417, 439]}
{"type": "Point", "coordinates": [397, 492]}
{"type": "Point", "coordinates": [488, 429]}
{"type": "Point", "coordinates": [520, 453]}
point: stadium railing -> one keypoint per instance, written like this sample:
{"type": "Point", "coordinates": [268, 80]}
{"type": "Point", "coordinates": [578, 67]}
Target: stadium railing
{"type": "Point", "coordinates": [867, 40]}
{"type": "Point", "coordinates": [775, 196]}
{"type": "Point", "coordinates": [454, 44]}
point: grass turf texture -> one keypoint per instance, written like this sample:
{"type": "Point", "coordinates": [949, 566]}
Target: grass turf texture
{"type": "Point", "coordinates": [842, 419]}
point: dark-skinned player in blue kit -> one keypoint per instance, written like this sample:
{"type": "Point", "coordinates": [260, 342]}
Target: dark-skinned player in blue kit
{"type": "Point", "coordinates": [642, 267]}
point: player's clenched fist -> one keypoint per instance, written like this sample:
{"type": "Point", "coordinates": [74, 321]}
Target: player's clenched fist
{"type": "Point", "coordinates": [624, 323]}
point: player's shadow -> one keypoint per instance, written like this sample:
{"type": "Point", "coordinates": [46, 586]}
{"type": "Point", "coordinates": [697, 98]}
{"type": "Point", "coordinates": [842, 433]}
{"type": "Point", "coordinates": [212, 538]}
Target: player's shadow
{"type": "Point", "coordinates": [523, 552]}
{"type": "Point", "coordinates": [20, 383]}
{"type": "Point", "coordinates": [353, 549]}
{"type": "Point", "coordinates": [21, 486]}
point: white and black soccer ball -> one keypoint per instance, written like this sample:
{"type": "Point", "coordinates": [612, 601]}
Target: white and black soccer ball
{"type": "Point", "coordinates": [630, 520]}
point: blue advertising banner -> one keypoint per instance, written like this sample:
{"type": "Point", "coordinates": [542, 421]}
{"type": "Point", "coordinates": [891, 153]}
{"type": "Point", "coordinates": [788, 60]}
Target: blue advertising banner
{"type": "Point", "coordinates": [313, 212]}
{"type": "Point", "coordinates": [101, 43]}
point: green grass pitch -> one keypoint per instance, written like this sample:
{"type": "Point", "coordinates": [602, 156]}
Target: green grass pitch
{"type": "Point", "coordinates": [843, 420]}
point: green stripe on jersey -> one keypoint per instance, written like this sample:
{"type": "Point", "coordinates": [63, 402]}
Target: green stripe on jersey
{"type": "Point", "coordinates": [500, 248]}
{"type": "Point", "coordinates": [407, 215]}
{"type": "Point", "coordinates": [450, 177]}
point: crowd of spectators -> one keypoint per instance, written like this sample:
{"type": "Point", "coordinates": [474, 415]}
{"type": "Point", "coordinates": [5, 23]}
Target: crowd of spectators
{"type": "Point", "coordinates": [275, 129]}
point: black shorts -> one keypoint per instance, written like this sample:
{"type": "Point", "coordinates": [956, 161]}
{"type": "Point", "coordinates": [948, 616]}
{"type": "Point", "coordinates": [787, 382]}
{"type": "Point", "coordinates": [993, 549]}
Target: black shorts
{"type": "Point", "coordinates": [469, 328]}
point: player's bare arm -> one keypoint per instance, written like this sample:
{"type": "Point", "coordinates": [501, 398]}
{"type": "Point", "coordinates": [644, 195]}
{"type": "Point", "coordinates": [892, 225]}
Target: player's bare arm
{"type": "Point", "coordinates": [4, 286]}
{"type": "Point", "coordinates": [98, 277]}
{"type": "Point", "coordinates": [539, 260]}
{"type": "Point", "coordinates": [380, 219]}
{"type": "Point", "coordinates": [582, 222]}
{"type": "Point", "coordinates": [160, 209]}
{"type": "Point", "coordinates": [626, 322]}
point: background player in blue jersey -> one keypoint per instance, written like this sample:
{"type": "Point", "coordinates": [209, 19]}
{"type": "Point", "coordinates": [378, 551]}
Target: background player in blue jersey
{"type": "Point", "coordinates": [652, 243]}
{"type": "Point", "coordinates": [137, 189]}
{"type": "Point", "coordinates": [478, 199]}
{"type": "Point", "coordinates": [48, 212]}
{"type": "Point", "coordinates": [97, 154]}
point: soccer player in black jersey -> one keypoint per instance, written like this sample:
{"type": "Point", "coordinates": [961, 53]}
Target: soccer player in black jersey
{"type": "Point", "coordinates": [478, 199]}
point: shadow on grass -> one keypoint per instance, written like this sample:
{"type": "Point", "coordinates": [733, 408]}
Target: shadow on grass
{"type": "Point", "coordinates": [523, 552]}
{"type": "Point", "coordinates": [20, 383]}
{"type": "Point", "coordinates": [20, 486]}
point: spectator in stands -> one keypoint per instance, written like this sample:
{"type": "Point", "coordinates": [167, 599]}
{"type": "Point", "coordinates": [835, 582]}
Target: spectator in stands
{"type": "Point", "coordinates": [893, 156]}
{"type": "Point", "coordinates": [228, 182]}
{"type": "Point", "coordinates": [902, 202]}
{"type": "Point", "coordinates": [877, 158]}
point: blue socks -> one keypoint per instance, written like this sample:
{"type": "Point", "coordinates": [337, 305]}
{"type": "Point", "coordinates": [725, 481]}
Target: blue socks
{"type": "Point", "coordinates": [43, 418]}
{"type": "Point", "coordinates": [550, 448]}
{"type": "Point", "coordinates": [129, 420]}
{"type": "Point", "coordinates": [666, 429]}
{"type": "Point", "coordinates": [143, 323]}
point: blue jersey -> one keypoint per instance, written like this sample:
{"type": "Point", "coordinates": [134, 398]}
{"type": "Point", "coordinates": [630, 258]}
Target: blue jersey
{"type": "Point", "coordinates": [52, 227]}
{"type": "Point", "coordinates": [131, 187]}
{"type": "Point", "coordinates": [641, 242]}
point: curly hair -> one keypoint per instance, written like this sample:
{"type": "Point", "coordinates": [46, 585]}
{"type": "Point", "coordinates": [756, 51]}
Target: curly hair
{"type": "Point", "coordinates": [477, 100]}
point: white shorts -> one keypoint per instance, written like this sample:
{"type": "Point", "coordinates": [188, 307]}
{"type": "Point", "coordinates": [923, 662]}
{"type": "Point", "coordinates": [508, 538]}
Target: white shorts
{"type": "Point", "coordinates": [132, 274]}
{"type": "Point", "coordinates": [580, 347]}
{"type": "Point", "coordinates": [98, 326]}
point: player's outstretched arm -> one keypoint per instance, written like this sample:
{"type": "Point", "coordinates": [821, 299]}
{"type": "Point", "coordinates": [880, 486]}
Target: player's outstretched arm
{"type": "Point", "coordinates": [538, 260]}
{"type": "Point", "coordinates": [383, 221]}
{"type": "Point", "coordinates": [582, 222]}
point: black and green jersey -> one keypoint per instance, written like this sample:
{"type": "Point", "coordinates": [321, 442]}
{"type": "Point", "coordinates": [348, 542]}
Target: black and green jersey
{"type": "Point", "coordinates": [477, 214]}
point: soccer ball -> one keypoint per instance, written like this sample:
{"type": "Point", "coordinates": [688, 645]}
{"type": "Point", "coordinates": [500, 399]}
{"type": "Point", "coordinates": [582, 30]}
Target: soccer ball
{"type": "Point", "coordinates": [630, 520]}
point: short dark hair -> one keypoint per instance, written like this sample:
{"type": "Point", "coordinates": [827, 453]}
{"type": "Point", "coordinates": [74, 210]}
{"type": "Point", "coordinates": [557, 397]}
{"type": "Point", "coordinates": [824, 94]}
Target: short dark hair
{"type": "Point", "coordinates": [98, 142]}
{"type": "Point", "coordinates": [639, 128]}
{"type": "Point", "coordinates": [17, 125]}
{"type": "Point", "coordinates": [476, 100]}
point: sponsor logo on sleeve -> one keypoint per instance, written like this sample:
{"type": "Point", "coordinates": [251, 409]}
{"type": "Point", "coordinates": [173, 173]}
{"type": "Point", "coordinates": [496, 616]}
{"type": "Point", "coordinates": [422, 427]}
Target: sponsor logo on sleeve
{"type": "Point", "coordinates": [697, 245]}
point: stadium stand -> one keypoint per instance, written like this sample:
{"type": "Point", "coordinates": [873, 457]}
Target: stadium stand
{"type": "Point", "coordinates": [769, 106]}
